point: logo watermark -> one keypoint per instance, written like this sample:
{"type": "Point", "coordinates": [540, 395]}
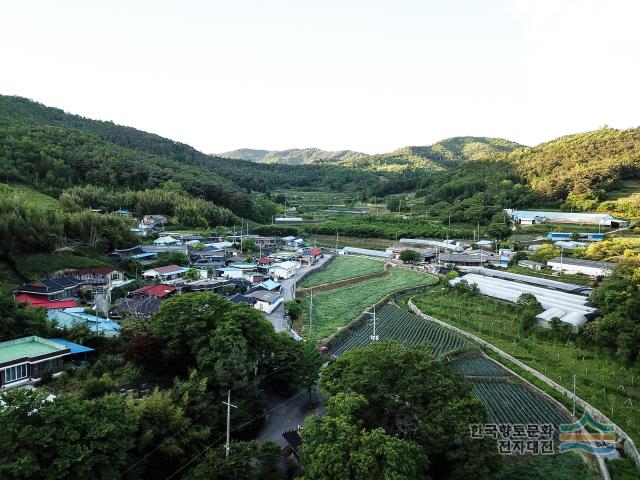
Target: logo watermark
{"type": "Point", "coordinates": [600, 439]}
{"type": "Point", "coordinates": [518, 439]}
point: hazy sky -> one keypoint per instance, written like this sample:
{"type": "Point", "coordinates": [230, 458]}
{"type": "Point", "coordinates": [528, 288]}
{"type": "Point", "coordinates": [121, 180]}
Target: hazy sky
{"type": "Point", "coordinates": [335, 74]}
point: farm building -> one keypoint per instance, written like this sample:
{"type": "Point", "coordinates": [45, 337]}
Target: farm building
{"type": "Point", "coordinates": [163, 274]}
{"type": "Point", "coordinates": [463, 260]}
{"type": "Point", "coordinates": [543, 282]}
{"type": "Point", "coordinates": [590, 237]}
{"type": "Point", "coordinates": [266, 301]}
{"type": "Point", "coordinates": [446, 245]}
{"type": "Point", "coordinates": [168, 240]}
{"type": "Point", "coordinates": [569, 244]}
{"type": "Point", "coordinates": [367, 252]}
{"type": "Point", "coordinates": [284, 269]}
{"type": "Point", "coordinates": [396, 250]}
{"type": "Point", "coordinates": [23, 359]}
{"type": "Point", "coordinates": [527, 217]}
{"type": "Point", "coordinates": [531, 264]}
{"type": "Point", "coordinates": [289, 220]}
{"type": "Point", "coordinates": [572, 307]}
{"type": "Point", "coordinates": [580, 266]}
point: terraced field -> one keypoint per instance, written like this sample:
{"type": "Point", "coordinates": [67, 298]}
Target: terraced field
{"type": "Point", "coordinates": [393, 323]}
{"type": "Point", "coordinates": [478, 366]}
{"type": "Point", "coordinates": [512, 402]}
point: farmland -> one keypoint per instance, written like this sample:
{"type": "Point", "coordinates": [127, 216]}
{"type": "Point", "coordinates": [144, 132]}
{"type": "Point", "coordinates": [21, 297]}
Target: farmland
{"type": "Point", "coordinates": [605, 383]}
{"type": "Point", "coordinates": [577, 279]}
{"type": "Point", "coordinates": [336, 308]}
{"type": "Point", "coordinates": [514, 403]}
{"type": "Point", "coordinates": [478, 366]}
{"type": "Point", "coordinates": [342, 268]}
{"type": "Point", "coordinates": [393, 323]}
{"type": "Point", "coordinates": [34, 197]}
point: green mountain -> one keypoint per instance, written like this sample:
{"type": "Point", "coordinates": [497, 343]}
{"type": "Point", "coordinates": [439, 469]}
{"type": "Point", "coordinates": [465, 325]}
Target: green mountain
{"type": "Point", "coordinates": [294, 156]}
{"type": "Point", "coordinates": [444, 154]}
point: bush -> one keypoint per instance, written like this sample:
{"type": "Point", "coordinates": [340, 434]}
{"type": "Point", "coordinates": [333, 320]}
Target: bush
{"type": "Point", "coordinates": [46, 376]}
{"type": "Point", "coordinates": [96, 387]}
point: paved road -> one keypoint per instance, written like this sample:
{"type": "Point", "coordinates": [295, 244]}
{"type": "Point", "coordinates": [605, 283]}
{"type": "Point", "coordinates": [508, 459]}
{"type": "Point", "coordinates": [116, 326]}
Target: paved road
{"type": "Point", "coordinates": [287, 414]}
{"type": "Point", "coordinates": [288, 292]}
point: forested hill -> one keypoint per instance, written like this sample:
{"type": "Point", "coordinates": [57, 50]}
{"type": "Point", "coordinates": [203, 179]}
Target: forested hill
{"type": "Point", "coordinates": [294, 156]}
{"type": "Point", "coordinates": [52, 150]}
{"type": "Point", "coordinates": [583, 169]}
{"type": "Point", "coordinates": [444, 154]}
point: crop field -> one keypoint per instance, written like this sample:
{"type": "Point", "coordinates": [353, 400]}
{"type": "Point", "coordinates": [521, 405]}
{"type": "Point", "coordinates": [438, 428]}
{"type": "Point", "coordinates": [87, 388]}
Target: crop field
{"type": "Point", "coordinates": [607, 384]}
{"type": "Point", "coordinates": [393, 323]}
{"type": "Point", "coordinates": [336, 308]}
{"type": "Point", "coordinates": [342, 268]}
{"type": "Point", "coordinates": [565, 466]}
{"type": "Point", "coordinates": [478, 366]}
{"type": "Point", "coordinates": [329, 241]}
{"type": "Point", "coordinates": [512, 402]}
{"type": "Point", "coordinates": [577, 279]}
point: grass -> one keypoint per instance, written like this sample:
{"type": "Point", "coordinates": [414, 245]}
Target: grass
{"type": "Point", "coordinates": [565, 466]}
{"type": "Point", "coordinates": [34, 197]}
{"type": "Point", "coordinates": [622, 469]}
{"type": "Point", "coordinates": [608, 385]}
{"type": "Point", "coordinates": [33, 266]}
{"type": "Point", "coordinates": [626, 188]}
{"type": "Point", "coordinates": [342, 268]}
{"type": "Point", "coordinates": [336, 308]}
{"type": "Point", "coordinates": [577, 279]}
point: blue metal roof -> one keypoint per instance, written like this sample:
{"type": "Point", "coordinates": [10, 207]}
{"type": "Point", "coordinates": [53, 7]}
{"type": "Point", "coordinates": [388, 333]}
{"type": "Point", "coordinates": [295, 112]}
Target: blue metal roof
{"type": "Point", "coordinates": [74, 347]}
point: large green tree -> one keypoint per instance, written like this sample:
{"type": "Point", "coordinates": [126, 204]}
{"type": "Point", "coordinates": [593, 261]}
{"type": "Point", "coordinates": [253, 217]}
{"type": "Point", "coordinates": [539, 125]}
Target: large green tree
{"type": "Point", "coordinates": [415, 397]}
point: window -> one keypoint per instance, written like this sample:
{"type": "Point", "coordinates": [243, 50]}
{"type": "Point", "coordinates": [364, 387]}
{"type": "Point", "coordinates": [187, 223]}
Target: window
{"type": "Point", "coordinates": [18, 372]}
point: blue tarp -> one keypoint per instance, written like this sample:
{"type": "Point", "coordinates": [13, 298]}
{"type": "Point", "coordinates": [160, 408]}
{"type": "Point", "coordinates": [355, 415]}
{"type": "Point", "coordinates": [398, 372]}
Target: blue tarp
{"type": "Point", "coordinates": [74, 347]}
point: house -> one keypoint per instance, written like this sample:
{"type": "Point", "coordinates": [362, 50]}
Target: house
{"type": "Point", "coordinates": [254, 277]}
{"type": "Point", "coordinates": [215, 285]}
{"type": "Point", "coordinates": [237, 299]}
{"type": "Point", "coordinates": [266, 301]}
{"type": "Point", "coordinates": [154, 219]}
{"type": "Point", "coordinates": [425, 254]}
{"type": "Point", "coordinates": [266, 261]}
{"type": "Point", "coordinates": [142, 306]}
{"type": "Point", "coordinates": [24, 359]}
{"type": "Point", "coordinates": [37, 301]}
{"type": "Point", "coordinates": [236, 259]}
{"type": "Point", "coordinates": [76, 348]}
{"type": "Point", "coordinates": [53, 288]}
{"type": "Point", "coordinates": [219, 245]}
{"type": "Point", "coordinates": [155, 291]}
{"type": "Point", "coordinates": [99, 278]}
{"type": "Point", "coordinates": [70, 317]}
{"type": "Point", "coordinates": [284, 269]}
{"type": "Point", "coordinates": [207, 257]}
{"type": "Point", "coordinates": [168, 240]}
{"type": "Point", "coordinates": [245, 267]}
{"type": "Point", "coordinates": [166, 248]}
{"type": "Point", "coordinates": [269, 285]}
{"type": "Point", "coordinates": [579, 266]}
{"type": "Point", "coordinates": [229, 272]}
{"type": "Point", "coordinates": [531, 265]}
{"type": "Point", "coordinates": [163, 274]}
{"type": "Point", "coordinates": [463, 260]}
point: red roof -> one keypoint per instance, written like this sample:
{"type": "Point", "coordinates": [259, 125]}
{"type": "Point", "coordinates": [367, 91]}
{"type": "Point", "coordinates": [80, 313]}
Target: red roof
{"type": "Point", "coordinates": [37, 301]}
{"type": "Point", "coordinates": [167, 269]}
{"type": "Point", "coordinates": [265, 261]}
{"type": "Point", "coordinates": [315, 251]}
{"type": "Point", "coordinates": [155, 290]}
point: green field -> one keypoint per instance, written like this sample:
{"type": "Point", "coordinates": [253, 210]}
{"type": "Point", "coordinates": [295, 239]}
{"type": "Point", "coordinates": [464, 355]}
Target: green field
{"type": "Point", "coordinates": [565, 466]}
{"type": "Point", "coordinates": [577, 279]}
{"type": "Point", "coordinates": [610, 386]}
{"type": "Point", "coordinates": [625, 189]}
{"type": "Point", "coordinates": [36, 198]}
{"type": "Point", "coordinates": [33, 266]}
{"type": "Point", "coordinates": [343, 268]}
{"type": "Point", "coordinates": [329, 241]}
{"type": "Point", "coordinates": [336, 308]}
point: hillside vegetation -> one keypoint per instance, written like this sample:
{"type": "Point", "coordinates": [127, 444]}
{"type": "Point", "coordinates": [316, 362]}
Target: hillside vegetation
{"type": "Point", "coordinates": [294, 156]}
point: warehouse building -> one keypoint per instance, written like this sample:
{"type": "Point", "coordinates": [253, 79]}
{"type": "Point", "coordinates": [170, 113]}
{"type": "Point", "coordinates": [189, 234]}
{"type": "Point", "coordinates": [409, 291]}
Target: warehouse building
{"type": "Point", "coordinates": [580, 266]}
{"type": "Point", "coordinates": [530, 217]}
{"type": "Point", "coordinates": [568, 307]}
{"type": "Point", "coordinates": [367, 252]}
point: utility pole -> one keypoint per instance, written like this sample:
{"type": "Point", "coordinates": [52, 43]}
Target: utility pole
{"type": "Point", "coordinates": [310, 311]}
{"type": "Point", "coordinates": [561, 252]}
{"type": "Point", "coordinates": [227, 445]}
{"type": "Point", "coordinates": [374, 337]}
{"type": "Point", "coordinates": [574, 396]}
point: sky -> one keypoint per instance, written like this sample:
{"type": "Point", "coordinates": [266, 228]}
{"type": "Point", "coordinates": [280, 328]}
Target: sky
{"type": "Point", "coordinates": [370, 75]}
